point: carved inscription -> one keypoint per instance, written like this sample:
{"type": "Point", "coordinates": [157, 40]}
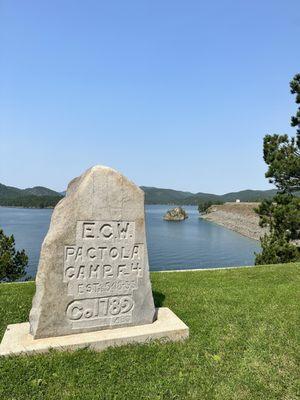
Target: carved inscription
{"type": "Point", "coordinates": [102, 271]}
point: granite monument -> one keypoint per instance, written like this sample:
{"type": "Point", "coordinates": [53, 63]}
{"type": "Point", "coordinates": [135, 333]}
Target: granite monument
{"type": "Point", "coordinates": [93, 272]}
{"type": "Point", "coordinates": [92, 286]}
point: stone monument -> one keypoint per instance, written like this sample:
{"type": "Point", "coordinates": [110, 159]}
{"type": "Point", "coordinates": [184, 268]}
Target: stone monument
{"type": "Point", "coordinates": [94, 259]}
{"type": "Point", "coordinates": [93, 272]}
